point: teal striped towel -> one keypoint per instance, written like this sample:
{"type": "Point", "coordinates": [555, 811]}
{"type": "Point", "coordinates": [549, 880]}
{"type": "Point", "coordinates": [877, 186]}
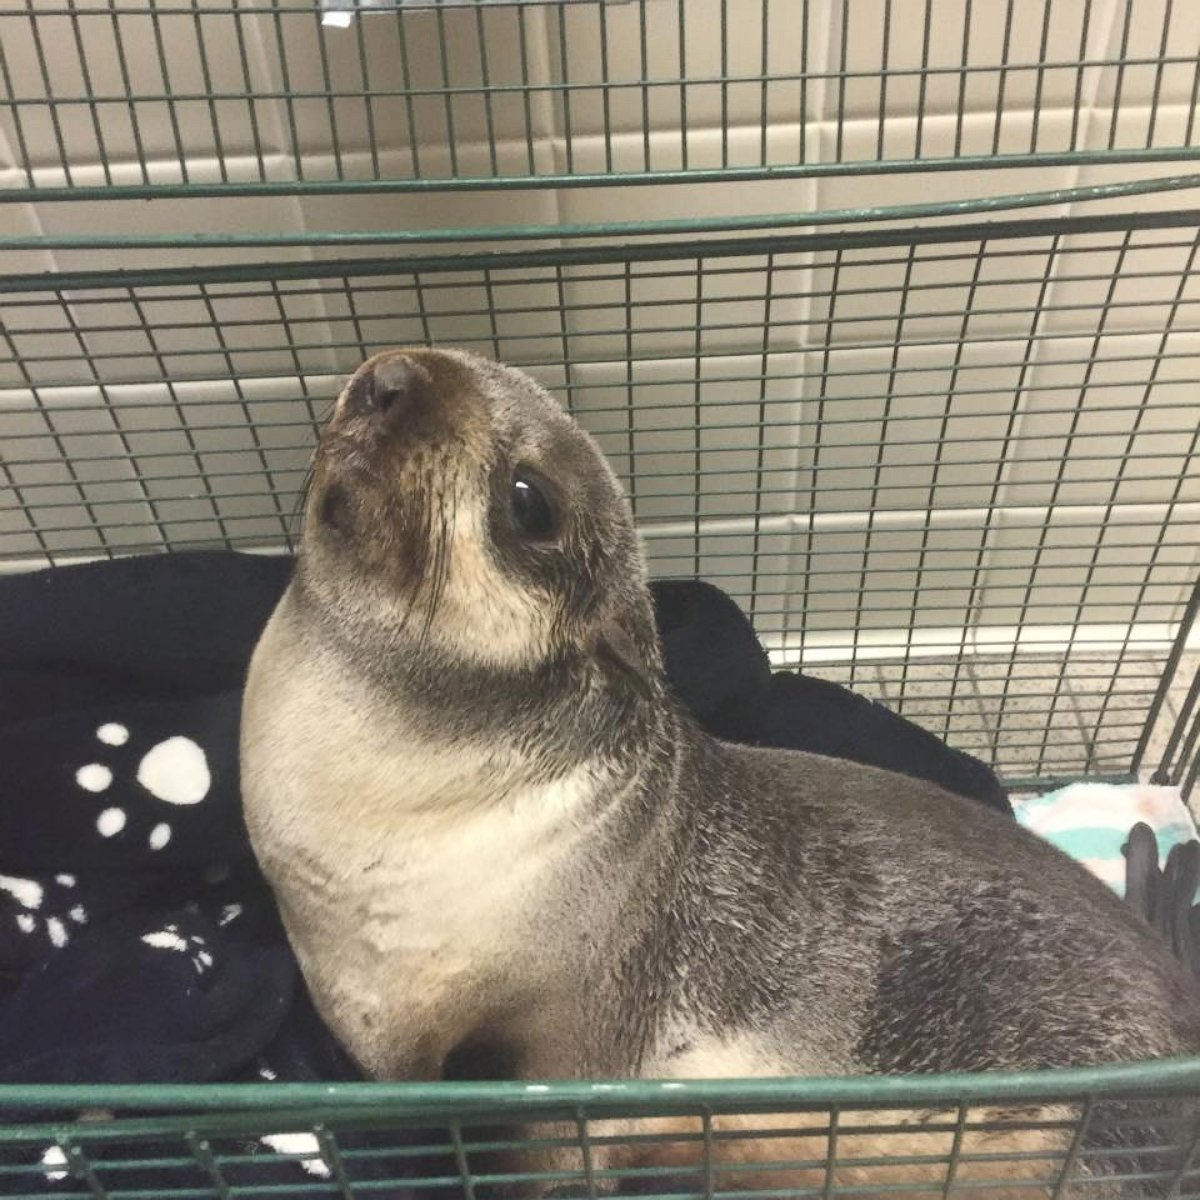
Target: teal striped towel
{"type": "Point", "coordinates": [1091, 822]}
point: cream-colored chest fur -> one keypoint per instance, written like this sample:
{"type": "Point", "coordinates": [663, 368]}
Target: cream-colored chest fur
{"type": "Point", "coordinates": [415, 876]}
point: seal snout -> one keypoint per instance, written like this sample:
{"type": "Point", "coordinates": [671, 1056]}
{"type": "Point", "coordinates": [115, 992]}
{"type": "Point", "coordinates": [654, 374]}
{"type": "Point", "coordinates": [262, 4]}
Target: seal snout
{"type": "Point", "coordinates": [391, 387]}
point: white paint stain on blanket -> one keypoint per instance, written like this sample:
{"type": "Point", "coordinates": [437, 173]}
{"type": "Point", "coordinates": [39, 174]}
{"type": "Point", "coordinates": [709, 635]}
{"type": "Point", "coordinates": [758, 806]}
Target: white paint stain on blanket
{"type": "Point", "coordinates": [166, 939]}
{"type": "Point", "coordinates": [55, 1157]}
{"type": "Point", "coordinates": [169, 938]}
{"type": "Point", "coordinates": [31, 896]}
{"type": "Point", "coordinates": [300, 1143]}
{"type": "Point", "coordinates": [94, 777]}
{"type": "Point", "coordinates": [26, 892]}
{"type": "Point", "coordinates": [110, 822]}
{"type": "Point", "coordinates": [175, 771]}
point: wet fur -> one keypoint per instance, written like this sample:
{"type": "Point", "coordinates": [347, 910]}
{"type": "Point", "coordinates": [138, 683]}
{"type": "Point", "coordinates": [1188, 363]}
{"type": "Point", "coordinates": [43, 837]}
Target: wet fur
{"type": "Point", "coordinates": [487, 821]}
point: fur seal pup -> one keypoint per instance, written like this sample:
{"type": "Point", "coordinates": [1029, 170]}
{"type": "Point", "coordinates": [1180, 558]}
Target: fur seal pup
{"type": "Point", "coordinates": [486, 820]}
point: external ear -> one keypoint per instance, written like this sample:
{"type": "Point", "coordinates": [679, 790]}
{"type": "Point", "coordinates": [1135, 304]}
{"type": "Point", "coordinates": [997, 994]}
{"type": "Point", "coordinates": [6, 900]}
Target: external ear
{"type": "Point", "coordinates": [615, 647]}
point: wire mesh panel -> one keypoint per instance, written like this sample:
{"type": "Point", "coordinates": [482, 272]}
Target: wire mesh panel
{"type": "Point", "coordinates": [1059, 1134]}
{"type": "Point", "coordinates": [971, 452]}
{"type": "Point", "coordinates": [171, 94]}
{"type": "Point", "coordinates": [953, 467]}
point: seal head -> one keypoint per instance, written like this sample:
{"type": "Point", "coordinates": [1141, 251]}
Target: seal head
{"type": "Point", "coordinates": [454, 505]}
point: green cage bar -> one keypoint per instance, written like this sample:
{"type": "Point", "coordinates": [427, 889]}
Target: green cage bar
{"type": "Point", "coordinates": [134, 99]}
{"type": "Point", "coordinates": [442, 1140]}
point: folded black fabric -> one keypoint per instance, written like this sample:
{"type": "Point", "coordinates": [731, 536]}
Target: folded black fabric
{"type": "Point", "coordinates": [179, 624]}
{"type": "Point", "coordinates": [206, 1001]}
{"type": "Point", "coordinates": [138, 941]}
{"type": "Point", "coordinates": [721, 672]}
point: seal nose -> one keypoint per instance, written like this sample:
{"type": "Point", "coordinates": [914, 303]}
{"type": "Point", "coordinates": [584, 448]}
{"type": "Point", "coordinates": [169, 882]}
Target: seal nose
{"type": "Point", "coordinates": [393, 382]}
{"type": "Point", "coordinates": [388, 386]}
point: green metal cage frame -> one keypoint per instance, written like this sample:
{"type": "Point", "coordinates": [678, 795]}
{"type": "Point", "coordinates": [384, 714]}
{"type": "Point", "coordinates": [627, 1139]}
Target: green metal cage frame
{"type": "Point", "coordinates": [671, 58]}
{"type": "Point", "coordinates": [437, 1137]}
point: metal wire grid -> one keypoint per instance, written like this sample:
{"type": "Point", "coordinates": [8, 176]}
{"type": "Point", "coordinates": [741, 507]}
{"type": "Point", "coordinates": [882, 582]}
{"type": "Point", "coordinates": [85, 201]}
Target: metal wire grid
{"type": "Point", "coordinates": [947, 1135]}
{"type": "Point", "coordinates": [968, 455]}
{"type": "Point", "coordinates": [893, 447]}
{"type": "Point", "coordinates": [174, 97]}
{"type": "Point", "coordinates": [1179, 763]}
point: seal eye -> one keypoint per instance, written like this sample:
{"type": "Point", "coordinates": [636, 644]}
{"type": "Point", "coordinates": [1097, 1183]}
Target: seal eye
{"type": "Point", "coordinates": [532, 515]}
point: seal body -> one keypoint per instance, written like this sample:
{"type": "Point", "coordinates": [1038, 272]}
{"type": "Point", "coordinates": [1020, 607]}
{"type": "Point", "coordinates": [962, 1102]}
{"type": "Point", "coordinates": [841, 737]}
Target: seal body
{"type": "Point", "coordinates": [488, 823]}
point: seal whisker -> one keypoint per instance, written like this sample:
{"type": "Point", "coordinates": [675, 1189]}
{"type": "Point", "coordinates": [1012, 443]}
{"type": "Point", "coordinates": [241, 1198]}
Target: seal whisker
{"type": "Point", "coordinates": [300, 505]}
{"type": "Point", "coordinates": [417, 531]}
{"type": "Point", "coordinates": [441, 556]}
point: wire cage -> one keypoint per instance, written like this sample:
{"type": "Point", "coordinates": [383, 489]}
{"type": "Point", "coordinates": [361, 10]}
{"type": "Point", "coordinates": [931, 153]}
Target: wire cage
{"type": "Point", "coordinates": [937, 1136]}
{"type": "Point", "coordinates": [886, 312]}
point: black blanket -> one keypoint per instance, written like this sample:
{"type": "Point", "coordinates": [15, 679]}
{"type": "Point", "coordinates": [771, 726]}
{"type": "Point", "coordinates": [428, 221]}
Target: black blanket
{"type": "Point", "coordinates": [138, 943]}
{"type": "Point", "coordinates": [137, 940]}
